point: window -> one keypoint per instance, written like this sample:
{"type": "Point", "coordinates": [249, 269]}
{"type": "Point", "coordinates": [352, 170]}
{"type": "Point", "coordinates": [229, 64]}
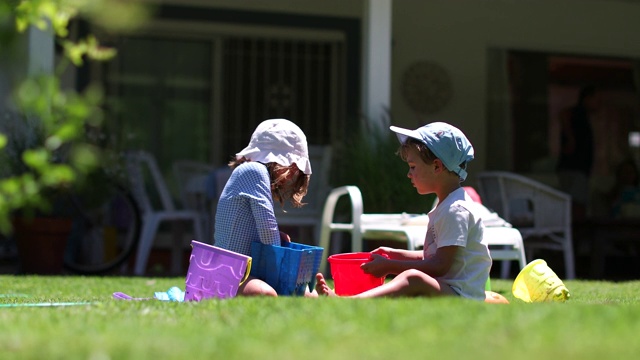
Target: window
{"type": "Point", "coordinates": [201, 96]}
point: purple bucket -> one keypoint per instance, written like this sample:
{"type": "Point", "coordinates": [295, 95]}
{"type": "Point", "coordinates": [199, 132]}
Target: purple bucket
{"type": "Point", "coordinates": [214, 272]}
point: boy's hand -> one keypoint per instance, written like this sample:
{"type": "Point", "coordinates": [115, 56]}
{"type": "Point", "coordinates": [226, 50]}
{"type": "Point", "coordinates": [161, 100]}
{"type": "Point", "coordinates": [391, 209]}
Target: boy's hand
{"type": "Point", "coordinates": [384, 251]}
{"type": "Point", "coordinates": [378, 266]}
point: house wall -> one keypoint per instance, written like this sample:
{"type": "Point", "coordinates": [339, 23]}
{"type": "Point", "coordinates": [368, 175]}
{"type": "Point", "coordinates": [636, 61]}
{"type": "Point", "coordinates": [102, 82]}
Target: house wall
{"type": "Point", "coordinates": [457, 34]}
{"type": "Point", "coordinates": [341, 8]}
{"type": "Point", "coordinates": [29, 53]}
{"type": "Point", "coordinates": [8, 70]}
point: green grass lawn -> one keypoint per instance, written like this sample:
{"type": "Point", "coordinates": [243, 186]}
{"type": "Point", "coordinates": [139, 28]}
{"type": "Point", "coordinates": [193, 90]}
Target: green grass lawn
{"type": "Point", "coordinates": [601, 320]}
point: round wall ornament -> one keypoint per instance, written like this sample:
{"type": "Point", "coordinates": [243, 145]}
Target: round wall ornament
{"type": "Point", "coordinates": [426, 87]}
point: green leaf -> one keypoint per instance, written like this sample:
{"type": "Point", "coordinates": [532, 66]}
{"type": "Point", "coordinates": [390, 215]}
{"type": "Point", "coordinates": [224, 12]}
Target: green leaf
{"type": "Point", "coordinates": [67, 131]}
{"type": "Point", "coordinates": [60, 21]}
{"type": "Point", "coordinates": [21, 24]}
{"type": "Point", "coordinates": [36, 158]}
{"type": "Point", "coordinates": [10, 185]}
{"type": "Point", "coordinates": [77, 108]}
{"type": "Point", "coordinates": [58, 175]}
{"type": "Point", "coordinates": [74, 51]}
{"type": "Point", "coordinates": [30, 186]}
{"type": "Point", "coordinates": [53, 143]}
{"type": "Point", "coordinates": [85, 157]}
{"type": "Point", "coordinates": [3, 141]}
{"type": "Point", "coordinates": [96, 52]}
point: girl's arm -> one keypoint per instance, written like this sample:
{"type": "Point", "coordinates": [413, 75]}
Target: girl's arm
{"type": "Point", "coordinates": [262, 207]}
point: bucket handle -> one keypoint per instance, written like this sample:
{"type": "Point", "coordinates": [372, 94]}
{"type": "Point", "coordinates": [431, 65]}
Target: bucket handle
{"type": "Point", "coordinates": [247, 271]}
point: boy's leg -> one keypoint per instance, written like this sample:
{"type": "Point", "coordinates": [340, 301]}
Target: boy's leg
{"type": "Point", "coordinates": [408, 283]}
{"type": "Point", "coordinates": [256, 287]}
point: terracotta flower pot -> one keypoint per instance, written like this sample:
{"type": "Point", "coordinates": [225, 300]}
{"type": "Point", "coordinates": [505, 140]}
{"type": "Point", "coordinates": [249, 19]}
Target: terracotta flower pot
{"type": "Point", "coordinates": [41, 243]}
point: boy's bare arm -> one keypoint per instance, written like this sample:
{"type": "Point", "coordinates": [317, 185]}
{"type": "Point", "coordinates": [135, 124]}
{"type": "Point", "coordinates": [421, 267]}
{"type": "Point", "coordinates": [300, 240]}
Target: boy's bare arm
{"type": "Point", "coordinates": [399, 254]}
{"type": "Point", "coordinates": [436, 265]}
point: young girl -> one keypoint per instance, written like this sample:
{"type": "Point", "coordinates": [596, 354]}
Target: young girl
{"type": "Point", "coordinates": [454, 261]}
{"type": "Point", "coordinates": [274, 166]}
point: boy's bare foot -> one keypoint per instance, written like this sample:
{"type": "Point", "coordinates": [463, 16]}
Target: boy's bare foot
{"type": "Point", "coordinates": [321, 286]}
{"type": "Point", "coordinates": [492, 297]}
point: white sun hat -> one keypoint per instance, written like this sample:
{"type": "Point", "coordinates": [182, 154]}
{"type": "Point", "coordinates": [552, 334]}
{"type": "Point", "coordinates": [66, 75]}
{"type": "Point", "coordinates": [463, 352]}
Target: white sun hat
{"type": "Point", "coordinates": [446, 142]}
{"type": "Point", "coordinates": [280, 141]}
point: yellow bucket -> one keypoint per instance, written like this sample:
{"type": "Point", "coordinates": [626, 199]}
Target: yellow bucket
{"type": "Point", "coordinates": [536, 282]}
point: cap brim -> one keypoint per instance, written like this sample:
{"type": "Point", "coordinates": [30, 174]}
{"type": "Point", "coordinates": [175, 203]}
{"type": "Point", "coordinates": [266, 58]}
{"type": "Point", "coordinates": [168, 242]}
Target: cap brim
{"type": "Point", "coordinates": [403, 134]}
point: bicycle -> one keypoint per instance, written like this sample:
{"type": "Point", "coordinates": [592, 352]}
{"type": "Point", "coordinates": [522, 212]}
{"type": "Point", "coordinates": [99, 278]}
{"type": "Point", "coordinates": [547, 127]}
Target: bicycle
{"type": "Point", "coordinates": [106, 228]}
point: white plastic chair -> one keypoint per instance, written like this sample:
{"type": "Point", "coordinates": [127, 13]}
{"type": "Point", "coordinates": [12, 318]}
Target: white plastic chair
{"type": "Point", "coordinates": [216, 183]}
{"type": "Point", "coordinates": [404, 228]}
{"type": "Point", "coordinates": [541, 213]}
{"type": "Point", "coordinates": [137, 162]}
{"type": "Point", "coordinates": [191, 177]}
{"type": "Point", "coordinates": [506, 244]}
{"type": "Point", "coordinates": [310, 214]}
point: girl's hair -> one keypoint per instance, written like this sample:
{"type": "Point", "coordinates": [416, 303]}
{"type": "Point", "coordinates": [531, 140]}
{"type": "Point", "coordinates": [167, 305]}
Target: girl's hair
{"type": "Point", "coordinates": [283, 189]}
{"type": "Point", "coordinates": [425, 153]}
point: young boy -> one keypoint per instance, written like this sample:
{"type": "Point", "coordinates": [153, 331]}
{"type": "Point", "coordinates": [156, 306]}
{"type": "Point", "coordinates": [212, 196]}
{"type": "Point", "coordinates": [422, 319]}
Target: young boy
{"type": "Point", "coordinates": [455, 261]}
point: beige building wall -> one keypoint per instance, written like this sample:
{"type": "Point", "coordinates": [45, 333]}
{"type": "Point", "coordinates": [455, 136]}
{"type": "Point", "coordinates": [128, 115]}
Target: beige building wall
{"type": "Point", "coordinates": [344, 8]}
{"type": "Point", "coordinates": [456, 34]}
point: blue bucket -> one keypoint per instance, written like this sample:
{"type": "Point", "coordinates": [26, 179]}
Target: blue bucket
{"type": "Point", "coordinates": [288, 269]}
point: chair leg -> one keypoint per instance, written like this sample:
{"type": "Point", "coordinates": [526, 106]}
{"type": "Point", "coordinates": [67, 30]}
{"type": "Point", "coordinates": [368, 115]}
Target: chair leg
{"type": "Point", "coordinates": [315, 230]}
{"type": "Point", "coordinates": [522, 258]}
{"type": "Point", "coordinates": [149, 229]}
{"type": "Point", "coordinates": [522, 261]}
{"type": "Point", "coordinates": [505, 269]}
{"type": "Point", "coordinates": [208, 232]}
{"type": "Point", "coordinates": [176, 250]}
{"type": "Point", "coordinates": [356, 240]}
{"type": "Point", "coordinates": [325, 238]}
{"type": "Point", "coordinates": [178, 230]}
{"type": "Point", "coordinates": [198, 228]}
{"type": "Point", "coordinates": [569, 262]}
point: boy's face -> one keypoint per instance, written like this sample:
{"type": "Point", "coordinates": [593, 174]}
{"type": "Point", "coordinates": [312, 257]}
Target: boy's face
{"type": "Point", "coordinates": [420, 173]}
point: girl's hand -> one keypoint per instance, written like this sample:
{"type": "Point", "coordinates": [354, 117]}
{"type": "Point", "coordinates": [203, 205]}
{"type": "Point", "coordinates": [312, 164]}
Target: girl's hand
{"type": "Point", "coordinates": [284, 239]}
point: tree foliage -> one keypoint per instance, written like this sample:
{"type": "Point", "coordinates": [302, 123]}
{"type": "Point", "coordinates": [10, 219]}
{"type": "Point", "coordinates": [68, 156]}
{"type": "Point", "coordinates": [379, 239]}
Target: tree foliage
{"type": "Point", "coordinates": [52, 151]}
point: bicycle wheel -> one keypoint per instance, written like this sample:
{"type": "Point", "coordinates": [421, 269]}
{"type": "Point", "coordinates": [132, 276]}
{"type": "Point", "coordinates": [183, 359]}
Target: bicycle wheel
{"type": "Point", "coordinates": [105, 231]}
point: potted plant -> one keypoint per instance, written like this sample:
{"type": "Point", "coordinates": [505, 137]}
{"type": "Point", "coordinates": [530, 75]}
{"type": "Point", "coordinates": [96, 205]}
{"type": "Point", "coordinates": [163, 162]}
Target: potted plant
{"type": "Point", "coordinates": [35, 181]}
{"type": "Point", "coordinates": [369, 161]}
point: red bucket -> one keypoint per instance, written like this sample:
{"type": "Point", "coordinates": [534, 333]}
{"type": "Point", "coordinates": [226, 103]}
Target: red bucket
{"type": "Point", "coordinates": [348, 277]}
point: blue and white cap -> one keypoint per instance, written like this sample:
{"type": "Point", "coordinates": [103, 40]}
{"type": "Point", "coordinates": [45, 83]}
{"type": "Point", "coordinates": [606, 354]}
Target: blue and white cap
{"type": "Point", "coordinates": [447, 143]}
